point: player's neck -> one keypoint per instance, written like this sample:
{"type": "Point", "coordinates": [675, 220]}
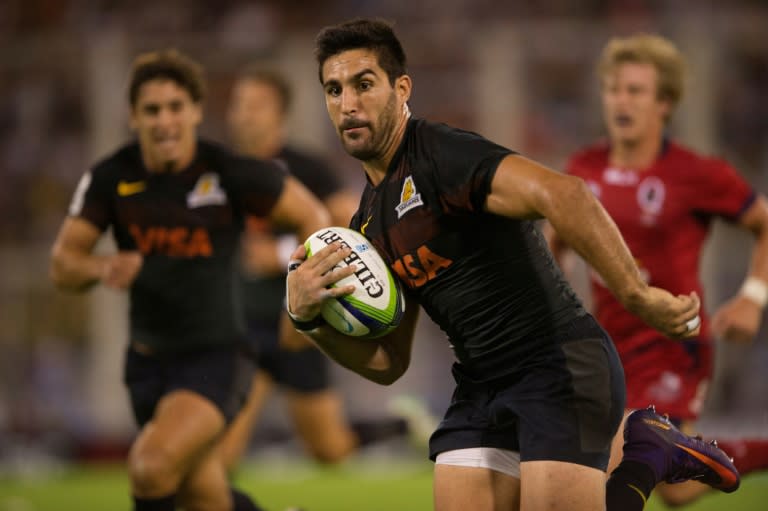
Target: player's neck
{"type": "Point", "coordinates": [160, 166]}
{"type": "Point", "coordinates": [376, 168]}
{"type": "Point", "coordinates": [264, 148]}
{"type": "Point", "coordinates": [636, 154]}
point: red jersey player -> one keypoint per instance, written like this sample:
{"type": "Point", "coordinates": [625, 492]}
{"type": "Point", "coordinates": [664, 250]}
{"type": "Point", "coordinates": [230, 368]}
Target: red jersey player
{"type": "Point", "coordinates": [663, 197]}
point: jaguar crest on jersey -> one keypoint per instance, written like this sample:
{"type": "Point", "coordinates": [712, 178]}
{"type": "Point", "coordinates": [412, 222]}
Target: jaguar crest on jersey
{"type": "Point", "coordinates": [409, 198]}
{"type": "Point", "coordinates": [207, 192]}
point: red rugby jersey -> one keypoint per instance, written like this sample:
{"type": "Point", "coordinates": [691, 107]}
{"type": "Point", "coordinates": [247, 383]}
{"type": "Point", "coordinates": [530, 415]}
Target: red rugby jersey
{"type": "Point", "coordinates": [664, 213]}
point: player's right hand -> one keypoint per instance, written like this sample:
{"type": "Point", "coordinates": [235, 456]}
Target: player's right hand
{"type": "Point", "coordinates": [308, 285]}
{"type": "Point", "coordinates": [121, 269]}
{"type": "Point", "coordinates": [674, 316]}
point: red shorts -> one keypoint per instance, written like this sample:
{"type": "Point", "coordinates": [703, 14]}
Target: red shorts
{"type": "Point", "coordinates": [673, 377]}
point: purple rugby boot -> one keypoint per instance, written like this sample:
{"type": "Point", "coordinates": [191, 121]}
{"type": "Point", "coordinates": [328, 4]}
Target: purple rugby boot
{"type": "Point", "coordinates": [675, 457]}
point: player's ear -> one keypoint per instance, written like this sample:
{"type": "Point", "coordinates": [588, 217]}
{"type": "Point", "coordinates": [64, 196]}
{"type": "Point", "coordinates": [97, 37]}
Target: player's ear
{"type": "Point", "coordinates": [665, 108]}
{"type": "Point", "coordinates": [197, 113]}
{"type": "Point", "coordinates": [132, 123]}
{"type": "Point", "coordinates": [403, 86]}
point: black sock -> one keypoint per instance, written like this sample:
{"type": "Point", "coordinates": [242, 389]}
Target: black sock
{"type": "Point", "coordinates": [242, 502]}
{"type": "Point", "coordinates": [369, 432]}
{"type": "Point", "coordinates": [629, 486]}
{"type": "Point", "coordinates": [160, 504]}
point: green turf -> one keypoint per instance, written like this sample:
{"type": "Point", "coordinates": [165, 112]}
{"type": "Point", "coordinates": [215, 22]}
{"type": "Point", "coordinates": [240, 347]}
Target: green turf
{"type": "Point", "coordinates": [357, 486]}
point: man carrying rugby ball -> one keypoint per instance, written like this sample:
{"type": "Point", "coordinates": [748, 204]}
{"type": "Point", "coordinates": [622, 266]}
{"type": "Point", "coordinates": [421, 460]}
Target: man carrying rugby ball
{"type": "Point", "coordinates": [539, 386]}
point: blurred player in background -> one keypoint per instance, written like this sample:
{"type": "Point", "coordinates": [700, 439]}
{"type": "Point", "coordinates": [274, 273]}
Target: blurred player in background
{"type": "Point", "coordinates": [257, 119]}
{"type": "Point", "coordinates": [663, 198]}
{"type": "Point", "coordinates": [176, 206]}
{"type": "Point", "coordinates": [539, 386]}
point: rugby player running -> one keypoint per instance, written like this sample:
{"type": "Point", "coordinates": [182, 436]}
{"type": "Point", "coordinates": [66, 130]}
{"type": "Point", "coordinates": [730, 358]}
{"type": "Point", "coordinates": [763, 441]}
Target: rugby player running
{"type": "Point", "coordinates": [539, 387]}
{"type": "Point", "coordinates": [664, 198]}
{"type": "Point", "coordinates": [176, 205]}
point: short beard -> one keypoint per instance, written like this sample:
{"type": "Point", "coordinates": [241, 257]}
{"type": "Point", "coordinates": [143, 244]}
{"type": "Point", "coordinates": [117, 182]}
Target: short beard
{"type": "Point", "coordinates": [363, 154]}
{"type": "Point", "coordinates": [386, 126]}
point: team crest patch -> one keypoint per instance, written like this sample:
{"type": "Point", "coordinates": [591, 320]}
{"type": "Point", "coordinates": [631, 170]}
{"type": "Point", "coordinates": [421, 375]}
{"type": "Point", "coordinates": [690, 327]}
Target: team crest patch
{"type": "Point", "coordinates": [650, 197]}
{"type": "Point", "coordinates": [409, 198]}
{"type": "Point", "coordinates": [207, 192]}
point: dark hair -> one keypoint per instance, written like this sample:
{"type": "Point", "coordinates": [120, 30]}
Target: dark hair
{"type": "Point", "coordinates": [169, 65]}
{"type": "Point", "coordinates": [373, 34]}
{"type": "Point", "coordinates": [272, 78]}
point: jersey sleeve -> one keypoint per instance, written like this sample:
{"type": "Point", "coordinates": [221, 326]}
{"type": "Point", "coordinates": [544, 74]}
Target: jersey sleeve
{"type": "Point", "coordinates": [92, 199]}
{"type": "Point", "coordinates": [255, 186]}
{"type": "Point", "coordinates": [720, 190]}
{"type": "Point", "coordinates": [464, 166]}
{"type": "Point", "coordinates": [314, 173]}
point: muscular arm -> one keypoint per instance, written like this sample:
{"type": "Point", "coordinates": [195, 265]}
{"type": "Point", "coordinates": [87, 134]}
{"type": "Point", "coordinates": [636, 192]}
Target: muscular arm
{"type": "Point", "coordinates": [266, 254]}
{"type": "Point", "coordinates": [522, 188]}
{"type": "Point", "coordinates": [382, 360]}
{"type": "Point", "coordinates": [740, 317]}
{"type": "Point", "coordinates": [299, 210]}
{"type": "Point", "coordinates": [74, 267]}
{"type": "Point", "coordinates": [755, 220]}
{"type": "Point", "coordinates": [342, 206]}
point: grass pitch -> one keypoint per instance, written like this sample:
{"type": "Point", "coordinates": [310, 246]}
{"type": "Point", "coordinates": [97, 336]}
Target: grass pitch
{"type": "Point", "coordinates": [356, 486]}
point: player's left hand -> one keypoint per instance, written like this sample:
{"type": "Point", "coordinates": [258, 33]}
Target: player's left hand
{"type": "Point", "coordinates": [677, 317]}
{"type": "Point", "coordinates": [308, 285]}
{"type": "Point", "coordinates": [737, 320]}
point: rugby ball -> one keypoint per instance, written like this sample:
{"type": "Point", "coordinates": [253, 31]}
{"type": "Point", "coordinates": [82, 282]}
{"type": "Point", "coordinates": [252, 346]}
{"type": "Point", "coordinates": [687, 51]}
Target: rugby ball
{"type": "Point", "coordinates": [377, 304]}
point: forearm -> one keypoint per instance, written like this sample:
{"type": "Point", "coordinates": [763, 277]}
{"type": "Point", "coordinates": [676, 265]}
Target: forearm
{"type": "Point", "coordinates": [372, 359]}
{"type": "Point", "coordinates": [74, 271]}
{"type": "Point", "coordinates": [756, 285]}
{"type": "Point", "coordinates": [585, 226]}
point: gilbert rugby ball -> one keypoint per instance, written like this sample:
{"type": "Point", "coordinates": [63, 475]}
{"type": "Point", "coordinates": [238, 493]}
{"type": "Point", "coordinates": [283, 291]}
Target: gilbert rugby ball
{"type": "Point", "coordinates": [377, 304]}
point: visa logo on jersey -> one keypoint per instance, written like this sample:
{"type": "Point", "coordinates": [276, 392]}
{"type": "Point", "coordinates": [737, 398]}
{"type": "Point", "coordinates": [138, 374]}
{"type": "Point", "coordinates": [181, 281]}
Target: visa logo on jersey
{"type": "Point", "coordinates": [172, 241]}
{"type": "Point", "coordinates": [420, 266]}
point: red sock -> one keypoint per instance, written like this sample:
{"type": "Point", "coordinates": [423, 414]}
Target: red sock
{"type": "Point", "coordinates": [748, 455]}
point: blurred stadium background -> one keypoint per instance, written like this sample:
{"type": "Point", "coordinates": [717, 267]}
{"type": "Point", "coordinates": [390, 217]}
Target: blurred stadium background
{"type": "Point", "coordinates": [519, 72]}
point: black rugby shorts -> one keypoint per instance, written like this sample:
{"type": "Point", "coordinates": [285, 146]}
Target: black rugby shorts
{"type": "Point", "coordinates": [566, 406]}
{"type": "Point", "coordinates": [222, 375]}
{"type": "Point", "coordinates": [305, 371]}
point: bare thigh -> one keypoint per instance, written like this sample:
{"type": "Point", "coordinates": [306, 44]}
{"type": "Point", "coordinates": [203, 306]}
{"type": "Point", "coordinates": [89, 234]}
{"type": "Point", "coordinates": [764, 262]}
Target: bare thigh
{"type": "Point", "coordinates": [458, 488]}
{"type": "Point", "coordinates": [182, 431]}
{"type": "Point", "coordinates": [617, 445]}
{"type": "Point", "coordinates": [238, 435]}
{"type": "Point", "coordinates": [561, 486]}
{"type": "Point", "coordinates": [206, 487]}
{"type": "Point", "coordinates": [322, 425]}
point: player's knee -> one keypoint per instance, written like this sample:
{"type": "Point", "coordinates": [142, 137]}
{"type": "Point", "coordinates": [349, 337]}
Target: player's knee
{"type": "Point", "coordinates": [671, 497]}
{"type": "Point", "coordinates": [152, 473]}
{"type": "Point", "coordinates": [196, 502]}
{"type": "Point", "coordinates": [330, 453]}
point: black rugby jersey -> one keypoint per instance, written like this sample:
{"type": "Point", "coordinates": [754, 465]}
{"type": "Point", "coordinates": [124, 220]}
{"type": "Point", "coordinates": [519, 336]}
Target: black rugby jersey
{"type": "Point", "coordinates": [263, 296]}
{"type": "Point", "coordinates": [187, 225]}
{"type": "Point", "coordinates": [488, 281]}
